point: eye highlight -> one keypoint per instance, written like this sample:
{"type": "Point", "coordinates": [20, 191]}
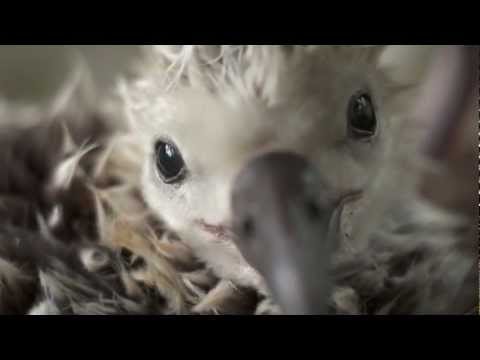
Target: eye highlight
{"type": "Point", "coordinates": [362, 120]}
{"type": "Point", "coordinates": [169, 162]}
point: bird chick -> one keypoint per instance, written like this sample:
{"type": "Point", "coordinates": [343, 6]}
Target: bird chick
{"type": "Point", "coordinates": [203, 112]}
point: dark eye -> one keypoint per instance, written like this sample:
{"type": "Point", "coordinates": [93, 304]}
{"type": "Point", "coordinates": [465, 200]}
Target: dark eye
{"type": "Point", "coordinates": [362, 121]}
{"type": "Point", "coordinates": [169, 162]}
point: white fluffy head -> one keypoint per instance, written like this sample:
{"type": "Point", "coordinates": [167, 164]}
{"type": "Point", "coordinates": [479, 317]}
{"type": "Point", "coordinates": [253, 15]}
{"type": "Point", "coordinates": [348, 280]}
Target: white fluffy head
{"type": "Point", "coordinates": [223, 104]}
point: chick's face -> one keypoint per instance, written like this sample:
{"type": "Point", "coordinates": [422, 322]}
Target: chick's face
{"type": "Point", "coordinates": [334, 108]}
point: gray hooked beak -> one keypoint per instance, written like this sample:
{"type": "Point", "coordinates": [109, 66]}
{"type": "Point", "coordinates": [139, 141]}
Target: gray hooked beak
{"type": "Point", "coordinates": [286, 222]}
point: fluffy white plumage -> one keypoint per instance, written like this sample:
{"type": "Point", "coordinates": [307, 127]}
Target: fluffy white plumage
{"type": "Point", "coordinates": [223, 104]}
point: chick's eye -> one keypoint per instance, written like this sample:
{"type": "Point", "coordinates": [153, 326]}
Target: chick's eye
{"type": "Point", "coordinates": [169, 162]}
{"type": "Point", "coordinates": [362, 121]}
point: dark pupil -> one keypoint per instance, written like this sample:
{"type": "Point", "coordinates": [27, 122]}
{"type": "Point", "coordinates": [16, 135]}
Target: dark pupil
{"type": "Point", "coordinates": [362, 116]}
{"type": "Point", "coordinates": [169, 162]}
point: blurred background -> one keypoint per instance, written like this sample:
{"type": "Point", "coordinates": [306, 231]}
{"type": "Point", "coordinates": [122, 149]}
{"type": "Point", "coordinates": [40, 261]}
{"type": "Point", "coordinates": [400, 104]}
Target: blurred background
{"type": "Point", "coordinates": [33, 73]}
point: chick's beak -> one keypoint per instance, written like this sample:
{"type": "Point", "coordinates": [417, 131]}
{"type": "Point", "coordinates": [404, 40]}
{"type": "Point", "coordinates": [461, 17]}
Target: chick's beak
{"type": "Point", "coordinates": [286, 224]}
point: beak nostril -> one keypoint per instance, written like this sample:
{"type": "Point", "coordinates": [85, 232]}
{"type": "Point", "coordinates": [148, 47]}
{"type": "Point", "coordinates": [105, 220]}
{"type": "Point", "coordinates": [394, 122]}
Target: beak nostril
{"type": "Point", "coordinates": [247, 227]}
{"type": "Point", "coordinates": [312, 210]}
